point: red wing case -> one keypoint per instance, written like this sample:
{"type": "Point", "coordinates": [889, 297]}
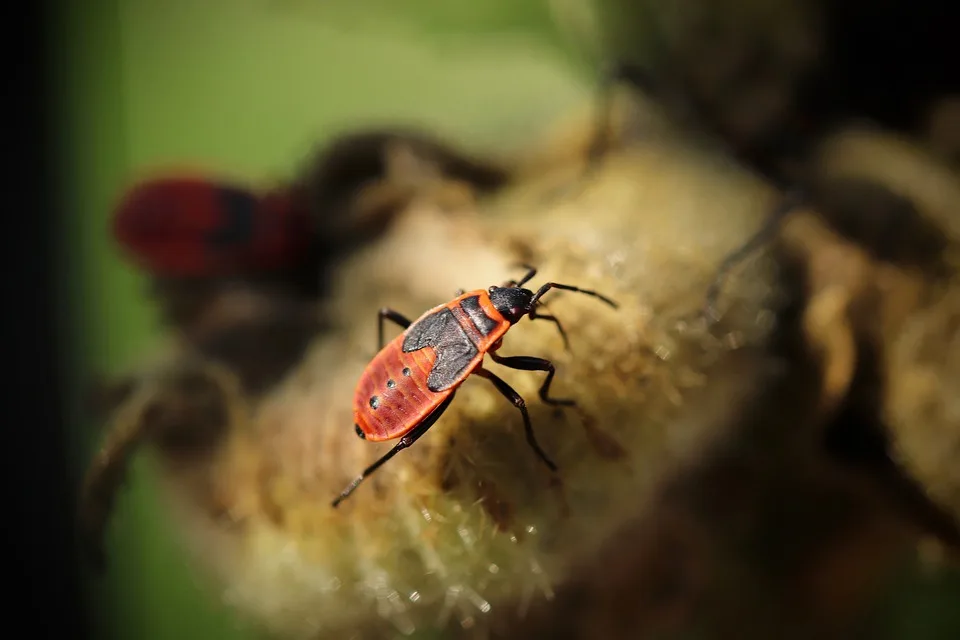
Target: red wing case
{"type": "Point", "coordinates": [199, 227]}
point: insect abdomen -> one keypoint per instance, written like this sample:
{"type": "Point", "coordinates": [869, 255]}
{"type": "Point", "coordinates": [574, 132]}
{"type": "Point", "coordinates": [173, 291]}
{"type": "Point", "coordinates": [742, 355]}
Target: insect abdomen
{"type": "Point", "coordinates": [392, 396]}
{"type": "Point", "coordinates": [415, 372]}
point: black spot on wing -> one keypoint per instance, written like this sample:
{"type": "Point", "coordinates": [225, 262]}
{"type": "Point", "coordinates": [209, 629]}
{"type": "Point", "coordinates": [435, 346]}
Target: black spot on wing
{"type": "Point", "coordinates": [484, 323]}
{"type": "Point", "coordinates": [454, 349]}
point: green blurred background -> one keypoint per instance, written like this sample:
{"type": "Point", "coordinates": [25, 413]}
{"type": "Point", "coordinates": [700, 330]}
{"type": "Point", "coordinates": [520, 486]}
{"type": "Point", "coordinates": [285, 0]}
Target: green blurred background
{"type": "Point", "coordinates": [247, 87]}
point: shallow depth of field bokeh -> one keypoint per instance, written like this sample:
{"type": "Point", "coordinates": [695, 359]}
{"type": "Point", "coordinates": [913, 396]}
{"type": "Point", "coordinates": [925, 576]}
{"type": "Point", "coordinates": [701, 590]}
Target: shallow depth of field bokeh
{"type": "Point", "coordinates": [246, 88]}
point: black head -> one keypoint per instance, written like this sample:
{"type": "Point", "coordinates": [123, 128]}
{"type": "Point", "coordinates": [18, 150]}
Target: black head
{"type": "Point", "coordinates": [512, 302]}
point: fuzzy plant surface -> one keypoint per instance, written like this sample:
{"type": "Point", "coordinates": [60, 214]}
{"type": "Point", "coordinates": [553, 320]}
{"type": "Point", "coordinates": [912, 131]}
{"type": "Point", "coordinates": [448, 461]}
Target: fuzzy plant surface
{"type": "Point", "coordinates": [761, 476]}
{"type": "Point", "coordinates": [717, 479]}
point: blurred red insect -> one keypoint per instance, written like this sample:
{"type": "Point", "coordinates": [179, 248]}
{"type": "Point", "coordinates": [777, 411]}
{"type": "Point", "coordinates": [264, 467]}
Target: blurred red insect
{"type": "Point", "coordinates": [185, 226]}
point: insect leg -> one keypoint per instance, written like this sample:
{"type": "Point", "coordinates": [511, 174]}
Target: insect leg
{"type": "Point", "coordinates": [542, 316]}
{"type": "Point", "coordinates": [531, 271]}
{"type": "Point", "coordinates": [530, 363]}
{"type": "Point", "coordinates": [390, 314]}
{"type": "Point", "coordinates": [766, 233]}
{"type": "Point", "coordinates": [514, 397]}
{"type": "Point", "coordinates": [568, 287]}
{"type": "Point", "coordinates": [405, 442]}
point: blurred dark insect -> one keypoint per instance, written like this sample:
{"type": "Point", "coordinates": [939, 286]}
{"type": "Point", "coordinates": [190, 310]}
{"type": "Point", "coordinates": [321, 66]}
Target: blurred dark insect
{"type": "Point", "coordinates": [225, 264]}
{"type": "Point", "coordinates": [199, 229]}
{"type": "Point", "coordinates": [193, 226]}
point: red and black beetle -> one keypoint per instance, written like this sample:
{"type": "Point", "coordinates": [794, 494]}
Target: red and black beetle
{"type": "Point", "coordinates": [189, 226]}
{"type": "Point", "coordinates": [410, 383]}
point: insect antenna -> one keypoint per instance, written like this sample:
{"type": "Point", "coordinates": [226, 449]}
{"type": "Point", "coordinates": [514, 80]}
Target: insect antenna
{"type": "Point", "coordinates": [766, 233]}
{"type": "Point", "coordinates": [568, 287]}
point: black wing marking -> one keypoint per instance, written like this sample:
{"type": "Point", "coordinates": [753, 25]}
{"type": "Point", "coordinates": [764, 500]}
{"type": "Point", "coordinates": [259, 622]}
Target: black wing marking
{"type": "Point", "coordinates": [239, 208]}
{"type": "Point", "coordinates": [454, 349]}
{"type": "Point", "coordinates": [427, 331]}
{"type": "Point", "coordinates": [484, 323]}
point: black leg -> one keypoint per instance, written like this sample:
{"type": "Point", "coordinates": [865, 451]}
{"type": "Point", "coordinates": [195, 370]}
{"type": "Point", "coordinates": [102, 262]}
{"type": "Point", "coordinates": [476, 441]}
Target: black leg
{"type": "Point", "coordinates": [540, 316]}
{"type": "Point", "coordinates": [390, 314]}
{"type": "Point", "coordinates": [405, 442]}
{"type": "Point", "coordinates": [530, 363]}
{"type": "Point", "coordinates": [567, 287]}
{"type": "Point", "coordinates": [766, 233]}
{"type": "Point", "coordinates": [520, 404]}
{"type": "Point", "coordinates": [531, 271]}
